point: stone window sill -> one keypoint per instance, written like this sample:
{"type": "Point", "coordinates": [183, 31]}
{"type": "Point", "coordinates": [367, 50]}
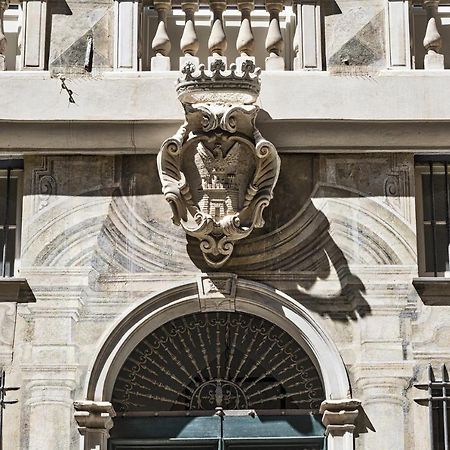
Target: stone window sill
{"type": "Point", "coordinates": [434, 291]}
{"type": "Point", "coordinates": [16, 290]}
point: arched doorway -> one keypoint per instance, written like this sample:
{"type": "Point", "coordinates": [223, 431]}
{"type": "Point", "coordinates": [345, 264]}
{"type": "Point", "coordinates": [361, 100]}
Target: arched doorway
{"type": "Point", "coordinates": [226, 380]}
{"type": "Point", "coordinates": [162, 315]}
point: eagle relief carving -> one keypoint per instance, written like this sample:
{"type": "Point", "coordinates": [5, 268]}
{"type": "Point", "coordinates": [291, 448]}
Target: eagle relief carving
{"type": "Point", "coordinates": [218, 172]}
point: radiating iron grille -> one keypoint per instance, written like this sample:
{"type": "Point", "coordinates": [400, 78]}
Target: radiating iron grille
{"type": "Point", "coordinates": [229, 360]}
{"type": "Point", "coordinates": [435, 216]}
{"type": "Point", "coordinates": [438, 402]}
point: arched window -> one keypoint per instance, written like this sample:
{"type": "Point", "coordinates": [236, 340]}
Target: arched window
{"type": "Point", "coordinates": [214, 380]}
{"type": "Point", "coordinates": [210, 360]}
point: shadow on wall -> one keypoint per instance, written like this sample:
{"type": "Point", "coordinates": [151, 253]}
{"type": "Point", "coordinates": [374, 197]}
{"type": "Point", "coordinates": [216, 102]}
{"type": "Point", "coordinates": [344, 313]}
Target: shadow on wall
{"type": "Point", "coordinates": [328, 218]}
{"type": "Point", "coordinates": [295, 251]}
{"type": "Point", "coordinates": [303, 260]}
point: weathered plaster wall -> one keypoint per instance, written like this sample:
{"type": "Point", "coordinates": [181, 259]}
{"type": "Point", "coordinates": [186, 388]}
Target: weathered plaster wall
{"type": "Point", "coordinates": [339, 238]}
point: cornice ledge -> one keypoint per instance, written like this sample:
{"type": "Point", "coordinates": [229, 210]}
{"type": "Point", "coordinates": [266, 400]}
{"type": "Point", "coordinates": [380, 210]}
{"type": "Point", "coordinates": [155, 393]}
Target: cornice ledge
{"type": "Point", "coordinates": [16, 290]}
{"type": "Point", "coordinates": [386, 371]}
{"type": "Point", "coordinates": [434, 291]}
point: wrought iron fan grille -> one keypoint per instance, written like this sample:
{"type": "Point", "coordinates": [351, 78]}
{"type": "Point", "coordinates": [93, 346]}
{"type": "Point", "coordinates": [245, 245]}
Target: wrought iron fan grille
{"type": "Point", "coordinates": [208, 360]}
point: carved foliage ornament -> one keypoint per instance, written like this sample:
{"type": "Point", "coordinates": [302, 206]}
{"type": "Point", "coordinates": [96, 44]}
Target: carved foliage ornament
{"type": "Point", "coordinates": [218, 172]}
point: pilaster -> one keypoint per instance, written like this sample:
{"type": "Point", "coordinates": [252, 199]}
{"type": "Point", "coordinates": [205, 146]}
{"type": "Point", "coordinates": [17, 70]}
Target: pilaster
{"type": "Point", "coordinates": [382, 387]}
{"type": "Point", "coordinates": [33, 36]}
{"type": "Point", "coordinates": [308, 36]}
{"type": "Point", "coordinates": [49, 405]}
{"type": "Point", "coordinates": [398, 34]}
{"type": "Point", "coordinates": [126, 24]}
{"type": "Point", "coordinates": [50, 367]}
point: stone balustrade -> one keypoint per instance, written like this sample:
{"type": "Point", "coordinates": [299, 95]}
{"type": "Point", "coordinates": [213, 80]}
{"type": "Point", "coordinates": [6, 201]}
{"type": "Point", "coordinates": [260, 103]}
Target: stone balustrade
{"type": "Point", "coordinates": [203, 32]}
{"type": "Point", "coordinates": [162, 35]}
{"type": "Point", "coordinates": [276, 34]}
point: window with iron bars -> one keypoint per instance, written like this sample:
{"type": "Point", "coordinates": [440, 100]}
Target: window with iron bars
{"type": "Point", "coordinates": [11, 172]}
{"type": "Point", "coordinates": [438, 402]}
{"type": "Point", "coordinates": [433, 215]}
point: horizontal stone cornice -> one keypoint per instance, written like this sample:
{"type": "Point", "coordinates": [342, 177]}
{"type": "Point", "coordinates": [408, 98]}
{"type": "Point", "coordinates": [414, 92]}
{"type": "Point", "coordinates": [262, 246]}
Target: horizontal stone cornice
{"type": "Point", "coordinates": [415, 95]}
{"type": "Point", "coordinates": [289, 136]}
{"type": "Point", "coordinates": [382, 372]}
{"type": "Point", "coordinates": [40, 372]}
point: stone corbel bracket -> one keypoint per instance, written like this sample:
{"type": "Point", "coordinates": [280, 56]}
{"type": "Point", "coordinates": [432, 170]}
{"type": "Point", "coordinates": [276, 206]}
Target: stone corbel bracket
{"type": "Point", "coordinates": [218, 172]}
{"type": "Point", "coordinates": [94, 422]}
{"type": "Point", "coordinates": [339, 416]}
{"type": "Point", "coordinates": [344, 420]}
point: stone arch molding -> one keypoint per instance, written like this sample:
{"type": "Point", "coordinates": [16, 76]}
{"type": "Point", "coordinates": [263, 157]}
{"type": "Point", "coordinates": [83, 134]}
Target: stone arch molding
{"type": "Point", "coordinates": [215, 292]}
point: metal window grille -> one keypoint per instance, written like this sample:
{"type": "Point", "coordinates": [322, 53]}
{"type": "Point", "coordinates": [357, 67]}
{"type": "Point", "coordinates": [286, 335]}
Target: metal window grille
{"type": "Point", "coordinates": [3, 402]}
{"type": "Point", "coordinates": [434, 216]}
{"type": "Point", "coordinates": [10, 214]}
{"type": "Point", "coordinates": [438, 402]}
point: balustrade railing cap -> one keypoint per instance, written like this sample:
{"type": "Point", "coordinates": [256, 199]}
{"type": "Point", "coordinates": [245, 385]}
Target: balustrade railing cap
{"type": "Point", "coordinates": [236, 85]}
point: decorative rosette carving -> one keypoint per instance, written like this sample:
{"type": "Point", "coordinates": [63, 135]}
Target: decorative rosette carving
{"type": "Point", "coordinates": [218, 172]}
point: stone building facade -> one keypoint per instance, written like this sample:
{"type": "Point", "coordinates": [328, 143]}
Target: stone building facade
{"type": "Point", "coordinates": [329, 297]}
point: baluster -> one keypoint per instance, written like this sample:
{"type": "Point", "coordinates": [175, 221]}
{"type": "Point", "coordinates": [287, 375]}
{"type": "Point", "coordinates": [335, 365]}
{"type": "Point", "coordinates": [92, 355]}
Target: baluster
{"type": "Point", "coordinates": [217, 42]}
{"type": "Point", "coordinates": [432, 41]}
{"type": "Point", "coordinates": [3, 7]}
{"type": "Point", "coordinates": [245, 43]}
{"type": "Point", "coordinates": [161, 42]}
{"type": "Point", "coordinates": [189, 41]}
{"type": "Point", "coordinates": [307, 38]}
{"type": "Point", "coordinates": [274, 40]}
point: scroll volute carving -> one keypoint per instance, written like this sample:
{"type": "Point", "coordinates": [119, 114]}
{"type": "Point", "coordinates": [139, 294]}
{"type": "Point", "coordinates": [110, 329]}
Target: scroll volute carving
{"type": "Point", "coordinates": [218, 172]}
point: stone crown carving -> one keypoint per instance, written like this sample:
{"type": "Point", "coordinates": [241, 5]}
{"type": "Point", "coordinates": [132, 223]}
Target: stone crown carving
{"type": "Point", "coordinates": [218, 172]}
{"type": "Point", "coordinates": [219, 85]}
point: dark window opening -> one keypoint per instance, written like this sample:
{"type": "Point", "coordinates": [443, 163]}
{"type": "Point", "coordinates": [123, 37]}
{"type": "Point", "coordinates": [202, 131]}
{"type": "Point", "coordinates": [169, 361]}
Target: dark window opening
{"type": "Point", "coordinates": [10, 214]}
{"type": "Point", "coordinates": [438, 402]}
{"type": "Point", "coordinates": [433, 216]}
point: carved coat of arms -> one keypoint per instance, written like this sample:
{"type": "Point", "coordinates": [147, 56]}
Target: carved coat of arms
{"type": "Point", "coordinates": [218, 172]}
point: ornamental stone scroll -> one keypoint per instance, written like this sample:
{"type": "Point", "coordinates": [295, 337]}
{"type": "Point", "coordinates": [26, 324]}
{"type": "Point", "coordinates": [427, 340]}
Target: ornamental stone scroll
{"type": "Point", "coordinates": [218, 172]}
